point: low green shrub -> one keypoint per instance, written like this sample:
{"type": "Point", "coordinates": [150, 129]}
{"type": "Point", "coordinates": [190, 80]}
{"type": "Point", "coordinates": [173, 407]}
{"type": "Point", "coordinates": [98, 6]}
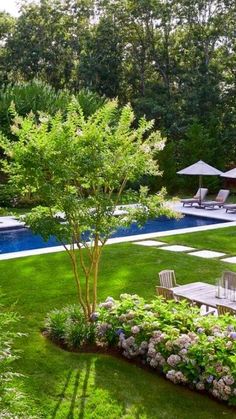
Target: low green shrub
{"type": "Point", "coordinates": [56, 323]}
{"type": "Point", "coordinates": [68, 327]}
{"type": "Point", "coordinates": [7, 197]}
{"type": "Point", "coordinates": [168, 336]}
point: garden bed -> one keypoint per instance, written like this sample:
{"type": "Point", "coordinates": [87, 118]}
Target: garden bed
{"type": "Point", "coordinates": [117, 353]}
{"type": "Point", "coordinates": [169, 337]}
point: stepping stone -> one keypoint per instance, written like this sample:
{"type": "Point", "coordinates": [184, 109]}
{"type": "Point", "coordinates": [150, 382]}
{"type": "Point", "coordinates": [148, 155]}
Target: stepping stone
{"type": "Point", "coordinates": [232, 259]}
{"type": "Point", "coordinates": [150, 243]}
{"type": "Point", "coordinates": [177, 248]}
{"type": "Point", "coordinates": [207, 254]}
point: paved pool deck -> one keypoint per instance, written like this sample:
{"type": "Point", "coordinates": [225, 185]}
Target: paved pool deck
{"type": "Point", "coordinates": [218, 214]}
{"type": "Point", "coordinates": [10, 222]}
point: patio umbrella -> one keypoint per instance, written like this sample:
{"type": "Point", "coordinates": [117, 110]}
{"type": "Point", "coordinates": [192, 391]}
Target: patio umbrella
{"type": "Point", "coordinates": [230, 174]}
{"type": "Point", "coordinates": [200, 169]}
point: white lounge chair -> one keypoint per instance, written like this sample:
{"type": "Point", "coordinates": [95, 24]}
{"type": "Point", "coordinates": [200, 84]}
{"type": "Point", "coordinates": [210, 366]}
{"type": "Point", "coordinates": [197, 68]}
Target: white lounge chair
{"type": "Point", "coordinates": [230, 207]}
{"type": "Point", "coordinates": [197, 199]}
{"type": "Point", "coordinates": [219, 201]}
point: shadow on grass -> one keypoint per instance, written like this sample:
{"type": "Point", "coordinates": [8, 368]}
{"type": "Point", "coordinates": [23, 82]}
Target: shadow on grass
{"type": "Point", "coordinates": [84, 390]}
{"type": "Point", "coordinates": [92, 386]}
{"type": "Point", "coordinates": [62, 395]}
{"type": "Point", "coordinates": [107, 387]}
{"type": "Point", "coordinates": [74, 395]}
{"type": "Point", "coordinates": [76, 386]}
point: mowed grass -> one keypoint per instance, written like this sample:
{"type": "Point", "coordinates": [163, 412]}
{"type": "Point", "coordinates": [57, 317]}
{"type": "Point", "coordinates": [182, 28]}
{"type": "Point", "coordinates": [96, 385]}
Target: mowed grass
{"type": "Point", "coordinates": [222, 240]}
{"type": "Point", "coordinates": [68, 385]}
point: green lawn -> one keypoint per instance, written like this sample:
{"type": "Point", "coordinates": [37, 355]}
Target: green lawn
{"type": "Point", "coordinates": [222, 240]}
{"type": "Point", "coordinates": [66, 385]}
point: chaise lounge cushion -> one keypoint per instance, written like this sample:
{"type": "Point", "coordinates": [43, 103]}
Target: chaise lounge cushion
{"type": "Point", "coordinates": [196, 199]}
{"type": "Point", "coordinates": [230, 207]}
{"type": "Point", "coordinates": [219, 201]}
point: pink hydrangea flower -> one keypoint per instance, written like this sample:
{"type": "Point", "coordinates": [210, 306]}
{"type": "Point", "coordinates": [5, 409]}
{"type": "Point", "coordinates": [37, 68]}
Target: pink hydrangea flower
{"type": "Point", "coordinates": [135, 330]}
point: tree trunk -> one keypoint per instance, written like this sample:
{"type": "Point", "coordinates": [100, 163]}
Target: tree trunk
{"type": "Point", "coordinates": [78, 284]}
{"type": "Point", "coordinates": [87, 273]}
{"type": "Point", "coordinates": [95, 272]}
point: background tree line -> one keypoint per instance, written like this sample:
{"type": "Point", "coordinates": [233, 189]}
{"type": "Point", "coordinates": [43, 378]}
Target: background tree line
{"type": "Point", "coordinates": [174, 60]}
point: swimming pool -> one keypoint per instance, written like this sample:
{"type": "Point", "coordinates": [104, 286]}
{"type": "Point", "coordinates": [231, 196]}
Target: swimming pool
{"type": "Point", "coordinates": [15, 240]}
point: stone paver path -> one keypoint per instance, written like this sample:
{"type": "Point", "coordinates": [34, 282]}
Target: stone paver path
{"type": "Point", "coordinates": [177, 248]}
{"type": "Point", "coordinates": [207, 254]}
{"type": "Point", "coordinates": [150, 243]}
{"type": "Point", "coordinates": [231, 259]}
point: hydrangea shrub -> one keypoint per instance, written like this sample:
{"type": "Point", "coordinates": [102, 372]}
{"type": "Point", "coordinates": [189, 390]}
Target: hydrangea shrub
{"type": "Point", "coordinates": [171, 337]}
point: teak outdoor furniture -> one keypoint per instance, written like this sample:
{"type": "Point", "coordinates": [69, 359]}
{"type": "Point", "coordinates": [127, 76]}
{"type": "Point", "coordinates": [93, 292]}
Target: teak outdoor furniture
{"type": "Point", "coordinates": [200, 196]}
{"type": "Point", "coordinates": [167, 278]}
{"type": "Point", "coordinates": [230, 207]}
{"type": "Point", "coordinates": [204, 294]}
{"type": "Point", "coordinates": [219, 201]}
{"type": "Point", "coordinates": [188, 300]}
{"type": "Point", "coordinates": [200, 168]}
{"type": "Point", "coordinates": [229, 280]}
{"type": "Point", "coordinates": [167, 293]}
{"type": "Point", "coordinates": [224, 310]}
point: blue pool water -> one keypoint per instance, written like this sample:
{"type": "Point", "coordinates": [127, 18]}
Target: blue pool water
{"type": "Point", "coordinates": [23, 239]}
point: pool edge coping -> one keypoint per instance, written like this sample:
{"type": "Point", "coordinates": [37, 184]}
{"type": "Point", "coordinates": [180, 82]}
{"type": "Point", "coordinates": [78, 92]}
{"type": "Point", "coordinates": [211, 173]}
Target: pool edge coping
{"type": "Point", "coordinates": [117, 240]}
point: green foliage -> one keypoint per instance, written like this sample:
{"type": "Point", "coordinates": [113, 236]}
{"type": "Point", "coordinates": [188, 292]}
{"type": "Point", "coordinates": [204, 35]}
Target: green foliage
{"type": "Point", "coordinates": [168, 164]}
{"type": "Point", "coordinates": [68, 326]}
{"type": "Point", "coordinates": [42, 283]}
{"type": "Point", "coordinates": [89, 101]}
{"type": "Point", "coordinates": [200, 144]}
{"type": "Point", "coordinates": [47, 41]}
{"type": "Point", "coordinates": [10, 197]}
{"type": "Point", "coordinates": [79, 167]}
{"type": "Point", "coordinates": [34, 96]}
{"type": "Point", "coordinates": [56, 322]}
{"type": "Point", "coordinates": [7, 23]}
{"type": "Point", "coordinates": [173, 61]}
{"type": "Point", "coordinates": [6, 196]}
{"type": "Point", "coordinates": [13, 403]}
{"type": "Point", "coordinates": [171, 337]}
{"type": "Point", "coordinates": [39, 97]}
{"type": "Point", "coordinates": [75, 163]}
{"type": "Point", "coordinates": [101, 60]}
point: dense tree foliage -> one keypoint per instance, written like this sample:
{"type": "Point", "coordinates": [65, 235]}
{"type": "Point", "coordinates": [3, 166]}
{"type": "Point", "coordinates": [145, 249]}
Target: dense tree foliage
{"type": "Point", "coordinates": [80, 167]}
{"type": "Point", "coordinates": [37, 96]}
{"type": "Point", "coordinates": [174, 60]}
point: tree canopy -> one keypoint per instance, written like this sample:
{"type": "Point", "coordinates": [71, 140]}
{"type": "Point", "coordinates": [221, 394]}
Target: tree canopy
{"type": "Point", "coordinates": [174, 61]}
{"type": "Point", "coordinates": [80, 169]}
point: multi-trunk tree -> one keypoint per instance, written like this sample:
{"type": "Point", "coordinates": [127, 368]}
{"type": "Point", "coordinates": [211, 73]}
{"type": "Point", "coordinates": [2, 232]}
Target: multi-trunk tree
{"type": "Point", "coordinates": [80, 168]}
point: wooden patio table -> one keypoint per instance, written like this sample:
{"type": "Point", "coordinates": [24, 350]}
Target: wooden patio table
{"type": "Point", "coordinates": [202, 293]}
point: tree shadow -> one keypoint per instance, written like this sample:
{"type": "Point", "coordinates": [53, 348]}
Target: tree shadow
{"type": "Point", "coordinates": [84, 389]}
{"type": "Point", "coordinates": [76, 389]}
{"type": "Point", "coordinates": [62, 395]}
{"type": "Point", "coordinates": [74, 395]}
{"type": "Point", "coordinates": [141, 393]}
